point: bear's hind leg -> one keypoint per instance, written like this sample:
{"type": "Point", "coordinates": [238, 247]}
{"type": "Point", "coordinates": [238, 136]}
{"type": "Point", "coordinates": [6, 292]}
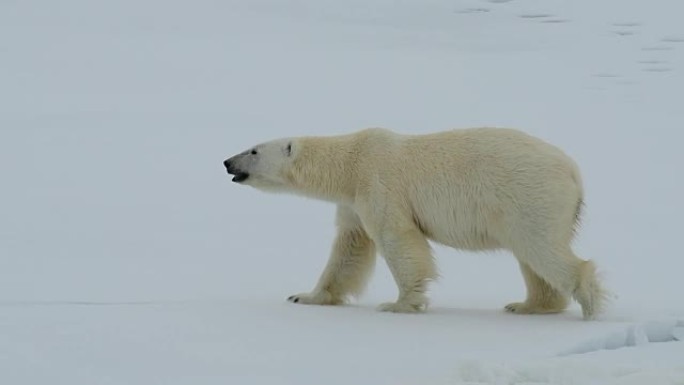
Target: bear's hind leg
{"type": "Point", "coordinates": [542, 298]}
{"type": "Point", "coordinates": [568, 274]}
{"type": "Point", "coordinates": [410, 260]}
{"type": "Point", "coordinates": [350, 264]}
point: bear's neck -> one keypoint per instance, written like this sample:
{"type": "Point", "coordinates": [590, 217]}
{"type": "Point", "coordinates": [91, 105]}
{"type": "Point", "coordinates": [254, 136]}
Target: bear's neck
{"type": "Point", "coordinates": [325, 168]}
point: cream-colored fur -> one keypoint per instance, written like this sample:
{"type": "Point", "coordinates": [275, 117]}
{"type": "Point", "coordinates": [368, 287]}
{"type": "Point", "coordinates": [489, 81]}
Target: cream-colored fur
{"type": "Point", "coordinates": [474, 189]}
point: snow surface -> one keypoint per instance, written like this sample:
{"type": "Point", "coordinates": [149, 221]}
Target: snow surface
{"type": "Point", "coordinates": [128, 257]}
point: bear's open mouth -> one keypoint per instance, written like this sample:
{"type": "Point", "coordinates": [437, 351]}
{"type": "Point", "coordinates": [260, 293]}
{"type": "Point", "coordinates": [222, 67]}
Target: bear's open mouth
{"type": "Point", "coordinates": [240, 177]}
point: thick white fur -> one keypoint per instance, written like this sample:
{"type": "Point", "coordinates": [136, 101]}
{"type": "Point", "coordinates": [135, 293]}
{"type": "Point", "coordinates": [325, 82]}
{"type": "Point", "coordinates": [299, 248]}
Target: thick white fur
{"type": "Point", "coordinates": [473, 189]}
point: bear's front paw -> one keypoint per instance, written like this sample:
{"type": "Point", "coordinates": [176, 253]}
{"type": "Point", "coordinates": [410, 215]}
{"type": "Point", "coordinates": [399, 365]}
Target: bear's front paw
{"type": "Point", "coordinates": [518, 308]}
{"type": "Point", "coordinates": [402, 307]}
{"type": "Point", "coordinates": [322, 298]}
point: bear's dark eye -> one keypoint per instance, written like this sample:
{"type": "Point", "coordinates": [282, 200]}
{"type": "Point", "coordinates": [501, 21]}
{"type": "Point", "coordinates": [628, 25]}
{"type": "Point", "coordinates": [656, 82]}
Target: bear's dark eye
{"type": "Point", "coordinates": [254, 152]}
{"type": "Point", "coordinates": [289, 149]}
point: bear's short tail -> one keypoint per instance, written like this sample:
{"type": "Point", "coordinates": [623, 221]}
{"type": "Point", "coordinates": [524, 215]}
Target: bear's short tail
{"type": "Point", "coordinates": [579, 210]}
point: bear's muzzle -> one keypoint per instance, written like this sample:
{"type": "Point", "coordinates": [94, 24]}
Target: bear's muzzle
{"type": "Point", "coordinates": [238, 175]}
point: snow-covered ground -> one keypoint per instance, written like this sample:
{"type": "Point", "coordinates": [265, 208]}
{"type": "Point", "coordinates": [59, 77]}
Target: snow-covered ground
{"type": "Point", "coordinates": [128, 257]}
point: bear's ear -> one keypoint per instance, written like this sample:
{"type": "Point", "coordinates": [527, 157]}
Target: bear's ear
{"type": "Point", "coordinates": [288, 149]}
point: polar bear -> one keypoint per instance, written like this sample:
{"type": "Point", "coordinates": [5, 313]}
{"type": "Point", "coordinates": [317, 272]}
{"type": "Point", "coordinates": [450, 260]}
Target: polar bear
{"type": "Point", "coordinates": [470, 189]}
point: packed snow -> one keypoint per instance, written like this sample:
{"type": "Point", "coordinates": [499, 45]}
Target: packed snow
{"type": "Point", "coordinates": [128, 256]}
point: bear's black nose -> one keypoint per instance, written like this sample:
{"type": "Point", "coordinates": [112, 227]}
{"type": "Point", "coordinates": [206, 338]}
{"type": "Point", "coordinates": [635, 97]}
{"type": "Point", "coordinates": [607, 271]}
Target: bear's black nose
{"type": "Point", "coordinates": [227, 164]}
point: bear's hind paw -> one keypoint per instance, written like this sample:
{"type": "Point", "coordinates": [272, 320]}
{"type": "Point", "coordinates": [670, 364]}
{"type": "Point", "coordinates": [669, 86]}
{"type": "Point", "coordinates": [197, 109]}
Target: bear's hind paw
{"type": "Point", "coordinates": [525, 308]}
{"type": "Point", "coordinates": [402, 307]}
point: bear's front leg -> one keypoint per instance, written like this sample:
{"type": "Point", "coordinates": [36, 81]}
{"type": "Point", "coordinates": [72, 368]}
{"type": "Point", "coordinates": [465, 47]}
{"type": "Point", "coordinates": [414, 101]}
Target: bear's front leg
{"type": "Point", "coordinates": [410, 260]}
{"type": "Point", "coordinates": [351, 262]}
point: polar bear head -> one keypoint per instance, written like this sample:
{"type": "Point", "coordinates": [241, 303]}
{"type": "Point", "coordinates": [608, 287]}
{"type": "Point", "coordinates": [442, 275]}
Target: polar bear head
{"type": "Point", "coordinates": [264, 166]}
{"type": "Point", "coordinates": [312, 166]}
